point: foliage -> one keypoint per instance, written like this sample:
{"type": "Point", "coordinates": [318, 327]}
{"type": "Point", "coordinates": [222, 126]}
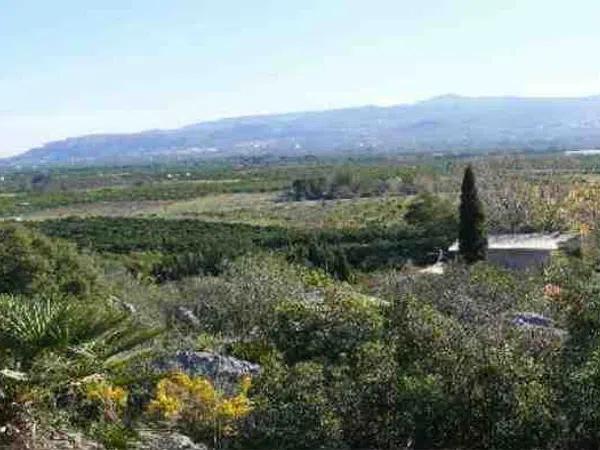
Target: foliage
{"type": "Point", "coordinates": [35, 326]}
{"type": "Point", "coordinates": [293, 410]}
{"type": "Point", "coordinates": [489, 387]}
{"type": "Point", "coordinates": [396, 359]}
{"type": "Point", "coordinates": [113, 435]}
{"type": "Point", "coordinates": [331, 259]}
{"type": "Point", "coordinates": [433, 215]}
{"type": "Point", "coordinates": [40, 182]}
{"type": "Point", "coordinates": [56, 329]}
{"type": "Point", "coordinates": [176, 266]}
{"type": "Point", "coordinates": [515, 205]}
{"type": "Point", "coordinates": [30, 262]}
{"type": "Point", "coordinates": [308, 189]}
{"type": "Point", "coordinates": [51, 344]}
{"type": "Point", "coordinates": [165, 190]}
{"type": "Point", "coordinates": [350, 182]}
{"type": "Point", "coordinates": [472, 239]}
{"type": "Point", "coordinates": [195, 405]}
{"type": "Point", "coordinates": [109, 398]}
{"type": "Point", "coordinates": [209, 244]}
{"type": "Point", "coordinates": [242, 300]}
{"type": "Point", "coordinates": [327, 329]}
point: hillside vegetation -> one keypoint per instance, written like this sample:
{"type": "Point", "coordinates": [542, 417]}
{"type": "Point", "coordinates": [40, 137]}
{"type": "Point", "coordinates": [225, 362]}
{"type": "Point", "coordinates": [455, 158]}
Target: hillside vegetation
{"type": "Point", "coordinates": [291, 312]}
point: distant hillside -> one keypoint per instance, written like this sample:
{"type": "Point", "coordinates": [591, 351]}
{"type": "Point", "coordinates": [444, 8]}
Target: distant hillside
{"type": "Point", "coordinates": [448, 123]}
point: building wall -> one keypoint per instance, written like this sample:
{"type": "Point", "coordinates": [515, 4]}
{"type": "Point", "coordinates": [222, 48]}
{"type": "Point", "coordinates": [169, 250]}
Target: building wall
{"type": "Point", "coordinates": [519, 259]}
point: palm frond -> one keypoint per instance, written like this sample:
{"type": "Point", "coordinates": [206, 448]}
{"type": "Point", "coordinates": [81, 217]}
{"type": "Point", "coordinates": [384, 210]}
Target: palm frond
{"type": "Point", "coordinates": [87, 336]}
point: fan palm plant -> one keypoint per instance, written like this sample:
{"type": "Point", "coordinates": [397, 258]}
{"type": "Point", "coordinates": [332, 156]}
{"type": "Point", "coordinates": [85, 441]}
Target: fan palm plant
{"type": "Point", "coordinates": [50, 344]}
{"type": "Point", "coordinates": [83, 337]}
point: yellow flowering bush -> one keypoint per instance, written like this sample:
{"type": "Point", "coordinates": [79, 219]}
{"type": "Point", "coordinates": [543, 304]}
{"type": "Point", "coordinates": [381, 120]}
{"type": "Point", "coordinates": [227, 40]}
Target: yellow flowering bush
{"type": "Point", "coordinates": [195, 404]}
{"type": "Point", "coordinates": [316, 278]}
{"type": "Point", "coordinates": [112, 399]}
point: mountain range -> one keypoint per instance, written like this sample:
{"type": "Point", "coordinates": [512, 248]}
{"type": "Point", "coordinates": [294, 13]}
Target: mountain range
{"type": "Point", "coordinates": [449, 123]}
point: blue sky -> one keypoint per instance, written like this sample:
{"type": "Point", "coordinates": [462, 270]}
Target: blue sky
{"type": "Point", "coordinates": [71, 67]}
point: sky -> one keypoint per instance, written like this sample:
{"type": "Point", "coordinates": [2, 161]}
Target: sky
{"type": "Point", "coordinates": [74, 67]}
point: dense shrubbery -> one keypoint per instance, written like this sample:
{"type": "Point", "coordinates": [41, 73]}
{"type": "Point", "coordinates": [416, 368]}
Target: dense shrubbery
{"type": "Point", "coordinates": [125, 235]}
{"type": "Point", "coordinates": [428, 369]}
{"type": "Point", "coordinates": [392, 360]}
{"type": "Point", "coordinates": [195, 247]}
{"type": "Point", "coordinates": [32, 263]}
{"type": "Point", "coordinates": [325, 330]}
{"type": "Point", "coordinates": [330, 258]}
{"type": "Point", "coordinates": [293, 410]}
{"type": "Point", "coordinates": [172, 190]}
{"type": "Point", "coordinates": [57, 326]}
{"type": "Point", "coordinates": [200, 409]}
{"type": "Point", "coordinates": [346, 371]}
{"type": "Point", "coordinates": [350, 182]}
{"type": "Point", "coordinates": [431, 362]}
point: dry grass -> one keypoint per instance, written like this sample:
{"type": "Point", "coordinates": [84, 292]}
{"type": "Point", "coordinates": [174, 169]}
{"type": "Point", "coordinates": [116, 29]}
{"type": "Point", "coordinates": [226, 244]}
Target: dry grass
{"type": "Point", "coordinates": [255, 208]}
{"type": "Point", "coordinates": [267, 209]}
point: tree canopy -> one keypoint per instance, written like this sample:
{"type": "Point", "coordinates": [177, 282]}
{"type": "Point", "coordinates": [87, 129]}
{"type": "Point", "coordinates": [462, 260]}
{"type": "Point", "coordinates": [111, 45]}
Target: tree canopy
{"type": "Point", "coordinates": [472, 234]}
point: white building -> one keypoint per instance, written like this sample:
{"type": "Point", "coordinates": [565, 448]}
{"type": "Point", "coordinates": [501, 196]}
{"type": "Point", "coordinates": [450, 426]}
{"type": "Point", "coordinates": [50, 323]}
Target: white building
{"type": "Point", "coordinates": [519, 251]}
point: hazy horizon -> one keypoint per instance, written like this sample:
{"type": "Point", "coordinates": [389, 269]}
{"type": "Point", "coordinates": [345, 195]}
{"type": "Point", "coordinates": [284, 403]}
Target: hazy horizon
{"type": "Point", "coordinates": [71, 69]}
{"type": "Point", "coordinates": [275, 113]}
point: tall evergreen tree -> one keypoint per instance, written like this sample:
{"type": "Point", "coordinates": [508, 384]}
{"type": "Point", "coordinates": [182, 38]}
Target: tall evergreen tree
{"type": "Point", "coordinates": [472, 235]}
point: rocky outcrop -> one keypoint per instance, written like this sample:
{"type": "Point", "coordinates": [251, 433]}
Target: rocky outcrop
{"type": "Point", "coordinates": [534, 321]}
{"type": "Point", "coordinates": [157, 440]}
{"type": "Point", "coordinates": [122, 305]}
{"type": "Point", "coordinates": [528, 319]}
{"type": "Point", "coordinates": [52, 440]}
{"type": "Point", "coordinates": [224, 371]}
{"type": "Point", "coordinates": [186, 316]}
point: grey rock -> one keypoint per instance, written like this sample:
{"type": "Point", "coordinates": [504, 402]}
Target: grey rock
{"type": "Point", "coordinates": [157, 440]}
{"type": "Point", "coordinates": [314, 296]}
{"type": "Point", "coordinates": [223, 371]}
{"type": "Point", "coordinates": [534, 321]}
{"type": "Point", "coordinates": [128, 308]}
{"type": "Point", "coordinates": [186, 316]}
{"type": "Point", "coordinates": [53, 440]}
{"type": "Point", "coordinates": [125, 306]}
{"type": "Point", "coordinates": [528, 319]}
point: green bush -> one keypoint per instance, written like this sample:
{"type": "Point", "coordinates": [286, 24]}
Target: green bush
{"type": "Point", "coordinates": [331, 258]}
{"type": "Point", "coordinates": [292, 410]}
{"type": "Point", "coordinates": [427, 209]}
{"type": "Point", "coordinates": [32, 263]}
{"type": "Point", "coordinates": [327, 329]}
{"type": "Point", "coordinates": [338, 250]}
{"type": "Point", "coordinates": [240, 302]}
{"type": "Point", "coordinates": [364, 392]}
{"type": "Point", "coordinates": [178, 266]}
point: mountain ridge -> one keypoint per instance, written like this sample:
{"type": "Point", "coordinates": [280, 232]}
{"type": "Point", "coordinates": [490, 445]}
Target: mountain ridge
{"type": "Point", "coordinates": [446, 123]}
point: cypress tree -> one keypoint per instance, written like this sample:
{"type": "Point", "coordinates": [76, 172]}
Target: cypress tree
{"type": "Point", "coordinates": [472, 236]}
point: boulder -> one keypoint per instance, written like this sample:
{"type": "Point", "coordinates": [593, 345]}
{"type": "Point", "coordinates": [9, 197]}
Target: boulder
{"type": "Point", "coordinates": [223, 371]}
{"type": "Point", "coordinates": [52, 440]}
{"type": "Point", "coordinates": [167, 440]}
{"type": "Point", "coordinates": [534, 321]}
{"type": "Point", "coordinates": [528, 319]}
{"type": "Point", "coordinates": [186, 316]}
{"type": "Point", "coordinates": [436, 269]}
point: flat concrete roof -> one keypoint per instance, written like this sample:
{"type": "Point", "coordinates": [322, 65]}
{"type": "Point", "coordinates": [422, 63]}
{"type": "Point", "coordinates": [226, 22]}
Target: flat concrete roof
{"type": "Point", "coordinates": [529, 241]}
